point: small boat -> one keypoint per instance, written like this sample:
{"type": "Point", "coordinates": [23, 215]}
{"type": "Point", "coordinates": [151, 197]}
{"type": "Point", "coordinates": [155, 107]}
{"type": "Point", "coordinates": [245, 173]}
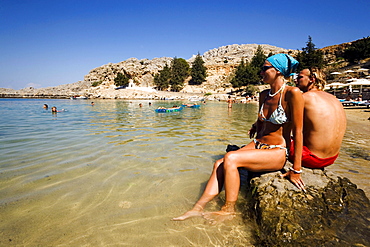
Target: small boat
{"type": "Point", "coordinates": [191, 105]}
{"type": "Point", "coordinates": [170, 109]}
{"type": "Point", "coordinates": [195, 98]}
{"type": "Point", "coordinates": [81, 97]}
{"type": "Point", "coordinates": [78, 97]}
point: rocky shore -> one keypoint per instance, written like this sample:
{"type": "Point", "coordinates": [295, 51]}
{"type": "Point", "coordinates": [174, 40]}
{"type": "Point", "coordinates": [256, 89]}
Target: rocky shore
{"type": "Point", "coordinates": [333, 211]}
{"type": "Point", "coordinates": [107, 93]}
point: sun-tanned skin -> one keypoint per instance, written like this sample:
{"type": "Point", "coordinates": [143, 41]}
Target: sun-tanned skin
{"type": "Point", "coordinates": [324, 121]}
{"type": "Point", "coordinates": [225, 171]}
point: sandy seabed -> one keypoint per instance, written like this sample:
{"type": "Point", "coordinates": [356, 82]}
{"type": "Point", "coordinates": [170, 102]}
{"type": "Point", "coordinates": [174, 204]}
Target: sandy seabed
{"type": "Point", "coordinates": [91, 198]}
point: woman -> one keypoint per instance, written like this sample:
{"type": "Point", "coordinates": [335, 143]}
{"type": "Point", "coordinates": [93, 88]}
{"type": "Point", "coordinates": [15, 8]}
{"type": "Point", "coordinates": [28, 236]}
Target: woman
{"type": "Point", "coordinates": [281, 113]}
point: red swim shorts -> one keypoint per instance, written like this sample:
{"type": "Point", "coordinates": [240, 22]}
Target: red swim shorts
{"type": "Point", "coordinates": [310, 160]}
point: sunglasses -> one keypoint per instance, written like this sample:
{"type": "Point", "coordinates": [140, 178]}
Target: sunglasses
{"type": "Point", "coordinates": [264, 68]}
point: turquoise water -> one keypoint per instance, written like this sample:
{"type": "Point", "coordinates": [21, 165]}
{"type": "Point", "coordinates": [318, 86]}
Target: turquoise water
{"type": "Point", "coordinates": [116, 173]}
{"type": "Point", "coordinates": [112, 173]}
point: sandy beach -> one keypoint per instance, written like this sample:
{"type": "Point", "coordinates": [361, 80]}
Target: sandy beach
{"type": "Point", "coordinates": [354, 159]}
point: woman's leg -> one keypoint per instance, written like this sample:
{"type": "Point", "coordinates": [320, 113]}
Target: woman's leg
{"type": "Point", "coordinates": [216, 181]}
{"type": "Point", "coordinates": [255, 160]}
{"type": "Point", "coordinates": [213, 188]}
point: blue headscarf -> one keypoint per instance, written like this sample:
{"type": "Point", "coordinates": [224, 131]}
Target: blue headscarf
{"type": "Point", "coordinates": [286, 64]}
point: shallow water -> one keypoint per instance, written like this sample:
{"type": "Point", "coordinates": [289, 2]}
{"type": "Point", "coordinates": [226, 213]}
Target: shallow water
{"type": "Point", "coordinates": [354, 159]}
{"type": "Point", "coordinates": [115, 174]}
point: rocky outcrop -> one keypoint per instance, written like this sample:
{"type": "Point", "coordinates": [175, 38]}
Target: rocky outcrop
{"type": "Point", "coordinates": [142, 71]}
{"type": "Point", "coordinates": [333, 212]}
{"type": "Point", "coordinates": [220, 63]}
{"type": "Point", "coordinates": [232, 54]}
{"type": "Point", "coordinates": [61, 91]}
{"type": "Point", "coordinates": [332, 52]}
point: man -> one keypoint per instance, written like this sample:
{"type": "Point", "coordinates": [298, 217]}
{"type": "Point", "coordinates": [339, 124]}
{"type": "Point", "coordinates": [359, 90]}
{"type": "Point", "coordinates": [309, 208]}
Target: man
{"type": "Point", "coordinates": [324, 121]}
{"type": "Point", "coordinates": [229, 102]}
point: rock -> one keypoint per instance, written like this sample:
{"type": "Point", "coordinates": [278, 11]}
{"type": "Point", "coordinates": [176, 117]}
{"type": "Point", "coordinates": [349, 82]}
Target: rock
{"type": "Point", "coordinates": [333, 212]}
{"type": "Point", "coordinates": [218, 70]}
{"type": "Point", "coordinates": [61, 91]}
{"type": "Point", "coordinates": [220, 63]}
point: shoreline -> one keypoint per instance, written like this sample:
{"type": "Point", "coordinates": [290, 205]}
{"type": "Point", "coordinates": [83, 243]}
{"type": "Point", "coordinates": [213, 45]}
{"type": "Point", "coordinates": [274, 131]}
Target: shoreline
{"type": "Point", "coordinates": [354, 158]}
{"type": "Point", "coordinates": [357, 113]}
{"type": "Point", "coordinates": [129, 94]}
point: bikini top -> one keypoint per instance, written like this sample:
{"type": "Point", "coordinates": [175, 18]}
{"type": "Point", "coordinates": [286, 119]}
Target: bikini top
{"type": "Point", "coordinates": [277, 117]}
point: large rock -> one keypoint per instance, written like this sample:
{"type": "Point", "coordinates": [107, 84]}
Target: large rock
{"type": "Point", "coordinates": [333, 211]}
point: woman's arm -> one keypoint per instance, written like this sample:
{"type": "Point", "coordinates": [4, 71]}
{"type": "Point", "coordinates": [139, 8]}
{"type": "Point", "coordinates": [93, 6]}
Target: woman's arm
{"type": "Point", "coordinates": [296, 104]}
{"type": "Point", "coordinates": [256, 127]}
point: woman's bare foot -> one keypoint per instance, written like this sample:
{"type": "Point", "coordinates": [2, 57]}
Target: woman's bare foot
{"type": "Point", "coordinates": [196, 211]}
{"type": "Point", "coordinates": [227, 212]}
{"type": "Point", "coordinates": [214, 218]}
{"type": "Point", "coordinates": [189, 214]}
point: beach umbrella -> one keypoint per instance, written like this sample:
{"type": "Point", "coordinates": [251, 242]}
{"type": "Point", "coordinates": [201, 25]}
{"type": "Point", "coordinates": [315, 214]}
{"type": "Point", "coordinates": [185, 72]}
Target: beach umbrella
{"type": "Point", "coordinates": [349, 71]}
{"type": "Point", "coordinates": [361, 82]}
{"type": "Point", "coordinates": [335, 85]}
{"type": "Point", "coordinates": [362, 69]}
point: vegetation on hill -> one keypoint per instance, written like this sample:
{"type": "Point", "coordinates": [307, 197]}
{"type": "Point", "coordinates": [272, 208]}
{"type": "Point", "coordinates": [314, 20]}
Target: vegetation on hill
{"type": "Point", "coordinates": [358, 50]}
{"type": "Point", "coordinates": [248, 73]}
{"type": "Point", "coordinates": [310, 56]}
{"type": "Point", "coordinates": [173, 77]}
{"type": "Point", "coordinates": [198, 71]}
{"type": "Point", "coordinates": [335, 57]}
{"type": "Point", "coordinates": [122, 80]}
{"type": "Point", "coordinates": [162, 79]}
{"type": "Point", "coordinates": [179, 72]}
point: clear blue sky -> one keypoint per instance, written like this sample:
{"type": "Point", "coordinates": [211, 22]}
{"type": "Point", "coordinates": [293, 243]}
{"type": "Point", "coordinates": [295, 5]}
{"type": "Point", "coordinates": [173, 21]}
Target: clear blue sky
{"type": "Point", "coordinates": [52, 42]}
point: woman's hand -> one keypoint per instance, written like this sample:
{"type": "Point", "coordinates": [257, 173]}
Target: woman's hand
{"type": "Point", "coordinates": [252, 132]}
{"type": "Point", "coordinates": [295, 178]}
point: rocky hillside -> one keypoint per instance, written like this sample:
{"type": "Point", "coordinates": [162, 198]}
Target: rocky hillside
{"type": "Point", "coordinates": [332, 52]}
{"type": "Point", "coordinates": [220, 63]}
{"type": "Point", "coordinates": [61, 91]}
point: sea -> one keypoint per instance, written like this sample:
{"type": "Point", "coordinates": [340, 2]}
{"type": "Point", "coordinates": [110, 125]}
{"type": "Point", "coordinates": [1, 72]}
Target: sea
{"type": "Point", "coordinates": [115, 173]}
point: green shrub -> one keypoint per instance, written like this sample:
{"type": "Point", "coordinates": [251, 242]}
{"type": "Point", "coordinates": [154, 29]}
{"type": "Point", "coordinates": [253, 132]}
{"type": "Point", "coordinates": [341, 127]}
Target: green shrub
{"type": "Point", "coordinates": [96, 83]}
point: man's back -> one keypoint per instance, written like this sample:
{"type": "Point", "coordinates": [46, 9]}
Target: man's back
{"type": "Point", "coordinates": [324, 123]}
